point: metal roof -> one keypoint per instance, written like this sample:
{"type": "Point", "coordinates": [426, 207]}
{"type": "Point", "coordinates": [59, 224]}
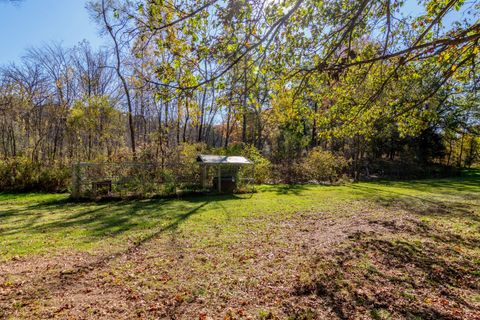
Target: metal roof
{"type": "Point", "coordinates": [215, 159]}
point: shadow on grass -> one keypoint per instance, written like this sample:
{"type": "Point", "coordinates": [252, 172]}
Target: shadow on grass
{"type": "Point", "coordinates": [468, 181]}
{"type": "Point", "coordinates": [289, 189]}
{"type": "Point", "coordinates": [396, 275]}
{"type": "Point", "coordinates": [407, 268]}
{"type": "Point", "coordinates": [59, 281]}
{"type": "Point", "coordinates": [105, 218]}
{"type": "Point", "coordinates": [422, 205]}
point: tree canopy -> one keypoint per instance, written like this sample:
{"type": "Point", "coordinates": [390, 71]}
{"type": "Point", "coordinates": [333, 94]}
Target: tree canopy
{"type": "Point", "coordinates": [369, 80]}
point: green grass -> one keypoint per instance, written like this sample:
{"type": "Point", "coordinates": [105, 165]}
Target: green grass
{"type": "Point", "coordinates": [285, 252]}
{"type": "Point", "coordinates": [38, 223]}
{"type": "Point", "coordinates": [49, 223]}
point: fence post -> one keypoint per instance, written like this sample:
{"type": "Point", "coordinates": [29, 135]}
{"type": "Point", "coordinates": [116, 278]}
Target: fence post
{"type": "Point", "coordinates": [76, 183]}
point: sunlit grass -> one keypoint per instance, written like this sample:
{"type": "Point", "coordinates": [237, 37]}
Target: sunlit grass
{"type": "Point", "coordinates": [49, 223]}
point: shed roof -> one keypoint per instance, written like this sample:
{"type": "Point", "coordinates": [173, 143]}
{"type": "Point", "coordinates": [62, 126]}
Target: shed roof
{"type": "Point", "coordinates": [215, 159]}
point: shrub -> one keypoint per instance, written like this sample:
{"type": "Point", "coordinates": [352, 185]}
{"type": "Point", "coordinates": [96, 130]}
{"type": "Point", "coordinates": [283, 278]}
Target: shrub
{"type": "Point", "coordinates": [21, 174]}
{"type": "Point", "coordinates": [321, 165]}
{"type": "Point", "coordinates": [183, 162]}
{"type": "Point", "coordinates": [263, 167]}
{"type": "Point", "coordinates": [53, 179]}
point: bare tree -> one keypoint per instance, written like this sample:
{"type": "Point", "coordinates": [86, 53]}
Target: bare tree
{"type": "Point", "coordinates": [104, 12]}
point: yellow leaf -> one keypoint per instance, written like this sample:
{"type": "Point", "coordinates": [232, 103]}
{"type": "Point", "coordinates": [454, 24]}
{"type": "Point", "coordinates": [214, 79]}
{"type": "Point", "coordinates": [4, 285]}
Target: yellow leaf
{"type": "Point", "coordinates": [454, 67]}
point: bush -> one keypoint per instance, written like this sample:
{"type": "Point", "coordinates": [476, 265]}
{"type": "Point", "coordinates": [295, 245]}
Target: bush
{"type": "Point", "coordinates": [183, 162]}
{"type": "Point", "coordinates": [263, 167]}
{"type": "Point", "coordinates": [21, 174]}
{"type": "Point", "coordinates": [320, 165]}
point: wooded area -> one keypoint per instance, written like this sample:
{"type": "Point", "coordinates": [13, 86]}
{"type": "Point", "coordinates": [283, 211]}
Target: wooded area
{"type": "Point", "coordinates": [315, 89]}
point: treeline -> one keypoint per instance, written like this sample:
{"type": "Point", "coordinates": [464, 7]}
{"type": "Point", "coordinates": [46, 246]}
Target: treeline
{"type": "Point", "coordinates": [384, 95]}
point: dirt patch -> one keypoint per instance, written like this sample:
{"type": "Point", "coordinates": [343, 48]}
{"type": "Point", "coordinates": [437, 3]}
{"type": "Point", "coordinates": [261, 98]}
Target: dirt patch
{"type": "Point", "coordinates": [25, 282]}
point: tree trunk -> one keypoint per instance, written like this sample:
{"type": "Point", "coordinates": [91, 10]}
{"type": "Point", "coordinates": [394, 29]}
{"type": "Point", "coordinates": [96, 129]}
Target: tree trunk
{"type": "Point", "coordinates": [313, 141]}
{"type": "Point", "coordinates": [122, 79]}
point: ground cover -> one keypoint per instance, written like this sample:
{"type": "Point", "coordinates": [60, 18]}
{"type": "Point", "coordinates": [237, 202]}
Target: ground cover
{"type": "Point", "coordinates": [381, 250]}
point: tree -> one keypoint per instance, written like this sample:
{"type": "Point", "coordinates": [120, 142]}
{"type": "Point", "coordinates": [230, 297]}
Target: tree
{"type": "Point", "coordinates": [359, 80]}
{"type": "Point", "coordinates": [104, 11]}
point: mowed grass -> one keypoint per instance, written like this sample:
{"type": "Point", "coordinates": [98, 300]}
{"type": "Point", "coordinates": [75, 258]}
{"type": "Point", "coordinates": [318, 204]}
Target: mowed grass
{"type": "Point", "coordinates": [381, 250]}
{"type": "Point", "coordinates": [47, 223]}
{"type": "Point", "coordinates": [50, 223]}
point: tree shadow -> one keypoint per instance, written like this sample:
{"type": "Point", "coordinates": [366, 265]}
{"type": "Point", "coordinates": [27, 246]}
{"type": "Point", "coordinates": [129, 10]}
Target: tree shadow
{"type": "Point", "coordinates": [406, 263]}
{"type": "Point", "coordinates": [57, 282]}
{"type": "Point", "coordinates": [421, 205]}
{"type": "Point", "coordinates": [392, 272]}
{"type": "Point", "coordinates": [104, 218]}
{"type": "Point", "coordinates": [289, 189]}
{"type": "Point", "coordinates": [469, 182]}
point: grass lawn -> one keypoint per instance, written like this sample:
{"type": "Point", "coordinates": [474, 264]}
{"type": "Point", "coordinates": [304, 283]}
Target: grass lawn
{"type": "Point", "coordinates": [381, 250]}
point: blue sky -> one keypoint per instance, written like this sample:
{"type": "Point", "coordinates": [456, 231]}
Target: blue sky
{"type": "Point", "coordinates": [34, 22]}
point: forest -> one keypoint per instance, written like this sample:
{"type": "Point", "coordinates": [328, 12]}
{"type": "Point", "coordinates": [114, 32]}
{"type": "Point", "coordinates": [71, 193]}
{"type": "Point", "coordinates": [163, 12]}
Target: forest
{"type": "Point", "coordinates": [313, 90]}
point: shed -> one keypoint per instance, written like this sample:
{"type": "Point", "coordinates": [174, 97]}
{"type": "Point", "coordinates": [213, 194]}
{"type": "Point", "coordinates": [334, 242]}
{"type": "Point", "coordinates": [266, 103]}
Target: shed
{"type": "Point", "coordinates": [226, 170]}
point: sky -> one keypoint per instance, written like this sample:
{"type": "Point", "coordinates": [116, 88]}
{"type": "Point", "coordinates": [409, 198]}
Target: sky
{"type": "Point", "coordinates": [31, 23]}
